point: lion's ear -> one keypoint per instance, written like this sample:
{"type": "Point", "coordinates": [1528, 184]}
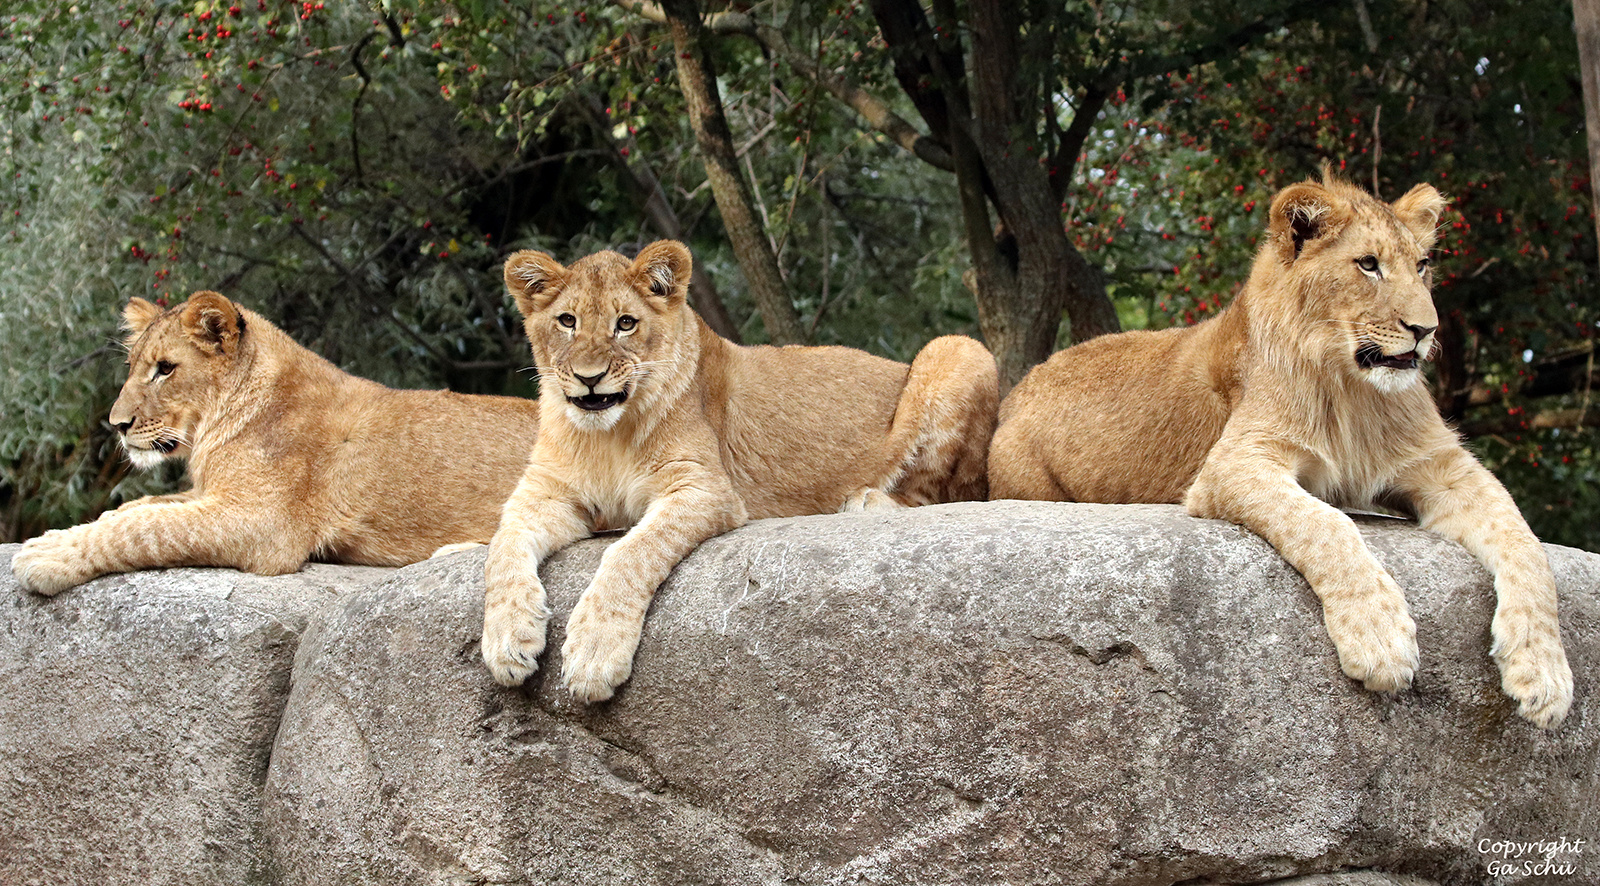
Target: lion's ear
{"type": "Point", "coordinates": [533, 279]}
{"type": "Point", "coordinates": [1301, 214]}
{"type": "Point", "coordinates": [1419, 210]}
{"type": "Point", "coordinates": [137, 317]}
{"type": "Point", "coordinates": [212, 322]}
{"type": "Point", "coordinates": [664, 268]}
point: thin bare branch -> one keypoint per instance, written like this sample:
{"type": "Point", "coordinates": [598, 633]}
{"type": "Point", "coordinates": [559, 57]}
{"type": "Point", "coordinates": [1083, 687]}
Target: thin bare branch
{"type": "Point", "coordinates": [872, 109]}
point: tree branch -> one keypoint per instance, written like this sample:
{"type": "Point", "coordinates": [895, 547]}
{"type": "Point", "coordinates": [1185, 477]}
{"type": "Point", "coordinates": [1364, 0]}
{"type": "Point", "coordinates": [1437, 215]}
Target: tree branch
{"type": "Point", "coordinates": [1137, 66]}
{"type": "Point", "coordinates": [1064, 160]}
{"type": "Point", "coordinates": [1570, 372]}
{"type": "Point", "coordinates": [370, 297]}
{"type": "Point", "coordinates": [698, 81]}
{"type": "Point", "coordinates": [355, 106]}
{"type": "Point", "coordinates": [703, 294]}
{"type": "Point", "coordinates": [1514, 424]}
{"type": "Point", "coordinates": [872, 109]}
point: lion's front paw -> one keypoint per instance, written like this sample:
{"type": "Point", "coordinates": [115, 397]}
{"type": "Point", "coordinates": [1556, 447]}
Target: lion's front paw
{"type": "Point", "coordinates": [1376, 640]}
{"type": "Point", "coordinates": [1533, 670]}
{"type": "Point", "coordinates": [50, 564]}
{"type": "Point", "coordinates": [598, 654]}
{"type": "Point", "coordinates": [513, 637]}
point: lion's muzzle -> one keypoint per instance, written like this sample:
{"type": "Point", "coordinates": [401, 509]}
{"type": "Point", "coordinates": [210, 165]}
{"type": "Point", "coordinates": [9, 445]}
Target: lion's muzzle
{"type": "Point", "coordinates": [1373, 357]}
{"type": "Point", "coordinates": [593, 402]}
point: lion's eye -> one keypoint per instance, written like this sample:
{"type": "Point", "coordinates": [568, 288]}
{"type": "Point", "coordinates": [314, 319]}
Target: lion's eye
{"type": "Point", "coordinates": [1423, 266]}
{"type": "Point", "coordinates": [567, 320]}
{"type": "Point", "coordinates": [164, 369]}
{"type": "Point", "coordinates": [1368, 263]}
{"type": "Point", "coordinates": [626, 323]}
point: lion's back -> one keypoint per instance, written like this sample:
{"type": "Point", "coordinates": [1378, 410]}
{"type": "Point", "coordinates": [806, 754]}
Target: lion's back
{"type": "Point", "coordinates": [410, 471]}
{"type": "Point", "coordinates": [800, 426]}
{"type": "Point", "coordinates": [1117, 419]}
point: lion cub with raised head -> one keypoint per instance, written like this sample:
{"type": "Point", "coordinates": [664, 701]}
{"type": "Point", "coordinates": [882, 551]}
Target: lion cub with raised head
{"type": "Point", "coordinates": [652, 421]}
{"type": "Point", "coordinates": [290, 457]}
{"type": "Point", "coordinates": [1305, 390]}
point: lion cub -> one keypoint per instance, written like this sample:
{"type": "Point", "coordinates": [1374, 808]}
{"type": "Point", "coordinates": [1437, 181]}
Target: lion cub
{"type": "Point", "coordinates": [290, 457]}
{"type": "Point", "coordinates": [1305, 390]}
{"type": "Point", "coordinates": [651, 421]}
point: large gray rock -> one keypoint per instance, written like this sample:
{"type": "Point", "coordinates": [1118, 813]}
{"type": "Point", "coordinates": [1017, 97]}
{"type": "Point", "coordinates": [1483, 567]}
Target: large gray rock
{"type": "Point", "coordinates": [983, 693]}
{"type": "Point", "coordinates": [137, 715]}
{"type": "Point", "coordinates": [1359, 878]}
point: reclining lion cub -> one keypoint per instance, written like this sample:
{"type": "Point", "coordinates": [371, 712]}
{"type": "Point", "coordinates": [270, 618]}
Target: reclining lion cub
{"type": "Point", "coordinates": [290, 457]}
{"type": "Point", "coordinates": [650, 420]}
{"type": "Point", "coordinates": [1305, 390]}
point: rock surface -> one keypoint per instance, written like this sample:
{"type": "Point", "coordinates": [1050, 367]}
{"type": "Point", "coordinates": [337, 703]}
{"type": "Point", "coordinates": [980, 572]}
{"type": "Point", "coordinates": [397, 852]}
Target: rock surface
{"type": "Point", "coordinates": [137, 719]}
{"type": "Point", "coordinates": [985, 693]}
{"type": "Point", "coordinates": [982, 693]}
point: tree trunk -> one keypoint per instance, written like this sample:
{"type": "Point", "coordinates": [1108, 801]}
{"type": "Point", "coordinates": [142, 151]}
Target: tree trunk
{"type": "Point", "coordinates": [1586, 13]}
{"type": "Point", "coordinates": [1450, 366]}
{"type": "Point", "coordinates": [697, 79]}
{"type": "Point", "coordinates": [703, 296]}
{"type": "Point", "coordinates": [1025, 270]}
{"type": "Point", "coordinates": [1048, 274]}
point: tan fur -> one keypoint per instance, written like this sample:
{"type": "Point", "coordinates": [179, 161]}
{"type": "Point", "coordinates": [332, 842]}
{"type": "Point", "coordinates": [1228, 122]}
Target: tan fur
{"type": "Point", "coordinates": [290, 458]}
{"type": "Point", "coordinates": [1264, 413]}
{"type": "Point", "coordinates": [710, 435]}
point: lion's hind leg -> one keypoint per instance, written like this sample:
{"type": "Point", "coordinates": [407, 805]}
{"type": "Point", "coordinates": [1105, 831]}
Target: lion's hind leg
{"type": "Point", "coordinates": [938, 445]}
{"type": "Point", "coordinates": [868, 499]}
{"type": "Point", "coordinates": [1018, 465]}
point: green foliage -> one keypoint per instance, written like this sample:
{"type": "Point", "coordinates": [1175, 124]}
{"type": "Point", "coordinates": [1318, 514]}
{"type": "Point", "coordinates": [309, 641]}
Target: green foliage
{"type": "Point", "coordinates": [357, 171]}
{"type": "Point", "coordinates": [1555, 476]}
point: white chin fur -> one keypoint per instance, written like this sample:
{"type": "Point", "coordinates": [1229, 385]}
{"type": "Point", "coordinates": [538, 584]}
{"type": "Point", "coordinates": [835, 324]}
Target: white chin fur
{"type": "Point", "coordinates": [584, 420]}
{"type": "Point", "coordinates": [144, 459]}
{"type": "Point", "coordinates": [1393, 381]}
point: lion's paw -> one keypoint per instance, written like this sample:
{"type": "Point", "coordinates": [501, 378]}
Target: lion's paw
{"type": "Point", "coordinates": [1376, 640]}
{"type": "Point", "coordinates": [513, 638]}
{"type": "Point", "coordinates": [1534, 671]}
{"type": "Point", "coordinates": [598, 654]}
{"type": "Point", "coordinates": [869, 499]}
{"type": "Point", "coordinates": [458, 547]}
{"type": "Point", "coordinates": [50, 563]}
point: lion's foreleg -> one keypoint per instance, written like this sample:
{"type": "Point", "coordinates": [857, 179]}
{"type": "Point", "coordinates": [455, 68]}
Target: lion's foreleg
{"type": "Point", "coordinates": [605, 626]}
{"type": "Point", "coordinates": [172, 499]}
{"type": "Point", "coordinates": [206, 532]}
{"type": "Point", "coordinates": [1365, 613]}
{"type": "Point", "coordinates": [1461, 500]}
{"type": "Point", "coordinates": [539, 518]}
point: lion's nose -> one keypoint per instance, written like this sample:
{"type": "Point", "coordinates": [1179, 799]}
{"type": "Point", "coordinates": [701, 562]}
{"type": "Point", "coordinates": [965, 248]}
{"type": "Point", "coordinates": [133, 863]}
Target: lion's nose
{"type": "Point", "coordinates": [123, 426]}
{"type": "Point", "coordinates": [1421, 332]}
{"type": "Point", "coordinates": [590, 380]}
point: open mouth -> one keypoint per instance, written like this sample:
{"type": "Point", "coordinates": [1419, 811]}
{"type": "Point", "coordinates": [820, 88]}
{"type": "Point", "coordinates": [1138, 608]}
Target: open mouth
{"type": "Point", "coordinates": [1371, 357]}
{"type": "Point", "coordinates": [598, 402]}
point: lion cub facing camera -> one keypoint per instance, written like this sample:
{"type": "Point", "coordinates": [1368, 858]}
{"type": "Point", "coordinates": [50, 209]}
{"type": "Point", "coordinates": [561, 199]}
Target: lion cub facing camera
{"type": "Point", "coordinates": [650, 420]}
{"type": "Point", "coordinates": [1305, 390]}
